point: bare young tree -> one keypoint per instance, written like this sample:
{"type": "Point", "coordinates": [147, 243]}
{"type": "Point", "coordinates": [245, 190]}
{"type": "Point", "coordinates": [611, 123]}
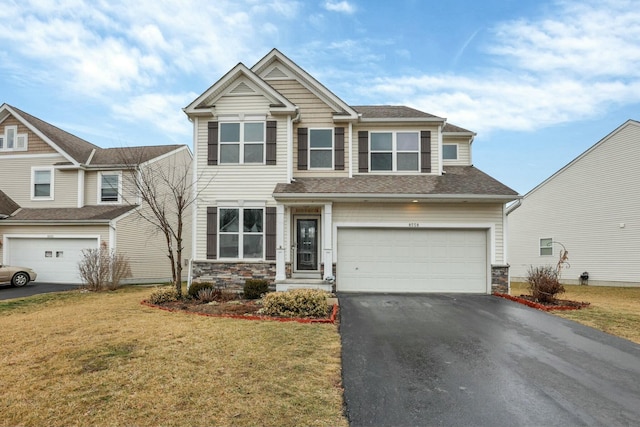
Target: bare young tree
{"type": "Point", "coordinates": [165, 192]}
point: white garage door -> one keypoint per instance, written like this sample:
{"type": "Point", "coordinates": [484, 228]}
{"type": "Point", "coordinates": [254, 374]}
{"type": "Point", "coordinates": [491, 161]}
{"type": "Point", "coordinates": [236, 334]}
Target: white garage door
{"type": "Point", "coordinates": [411, 260]}
{"type": "Point", "coordinates": [55, 260]}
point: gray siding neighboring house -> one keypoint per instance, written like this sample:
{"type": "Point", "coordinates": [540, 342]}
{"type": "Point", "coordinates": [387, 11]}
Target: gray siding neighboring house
{"type": "Point", "coordinates": [592, 207]}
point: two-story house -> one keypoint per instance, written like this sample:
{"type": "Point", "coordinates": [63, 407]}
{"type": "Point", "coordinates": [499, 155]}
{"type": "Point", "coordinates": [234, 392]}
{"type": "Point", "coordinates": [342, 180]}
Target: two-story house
{"type": "Point", "coordinates": [60, 194]}
{"type": "Point", "coordinates": [308, 191]}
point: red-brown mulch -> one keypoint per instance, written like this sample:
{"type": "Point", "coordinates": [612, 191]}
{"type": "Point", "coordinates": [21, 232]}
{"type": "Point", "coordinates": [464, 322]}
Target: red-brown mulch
{"type": "Point", "coordinates": [559, 304]}
{"type": "Point", "coordinates": [242, 309]}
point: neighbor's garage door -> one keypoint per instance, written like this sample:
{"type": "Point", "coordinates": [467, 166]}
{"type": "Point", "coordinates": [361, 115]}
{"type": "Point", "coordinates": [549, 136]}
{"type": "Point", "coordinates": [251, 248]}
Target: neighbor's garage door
{"type": "Point", "coordinates": [411, 260]}
{"type": "Point", "coordinates": [54, 260]}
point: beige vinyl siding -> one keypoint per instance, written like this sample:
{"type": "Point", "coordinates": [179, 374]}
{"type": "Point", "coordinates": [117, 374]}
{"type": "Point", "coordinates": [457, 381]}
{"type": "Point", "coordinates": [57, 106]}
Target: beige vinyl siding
{"type": "Point", "coordinates": [92, 187]}
{"type": "Point", "coordinates": [381, 127]}
{"type": "Point", "coordinates": [314, 113]}
{"type": "Point", "coordinates": [591, 207]}
{"type": "Point", "coordinates": [464, 151]}
{"type": "Point", "coordinates": [35, 145]}
{"type": "Point", "coordinates": [426, 215]}
{"type": "Point", "coordinates": [19, 186]}
{"type": "Point", "coordinates": [101, 230]}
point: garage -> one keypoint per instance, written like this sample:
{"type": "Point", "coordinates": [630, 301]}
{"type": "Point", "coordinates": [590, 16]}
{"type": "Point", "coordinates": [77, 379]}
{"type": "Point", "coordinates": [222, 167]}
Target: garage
{"type": "Point", "coordinates": [412, 260]}
{"type": "Point", "coordinates": [54, 259]}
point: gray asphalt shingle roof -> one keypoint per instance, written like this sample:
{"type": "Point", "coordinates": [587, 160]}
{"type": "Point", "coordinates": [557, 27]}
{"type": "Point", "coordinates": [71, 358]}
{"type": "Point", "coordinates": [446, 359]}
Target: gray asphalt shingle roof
{"type": "Point", "coordinates": [458, 180]}
{"type": "Point", "coordinates": [85, 213]}
{"type": "Point", "coordinates": [391, 112]}
{"type": "Point", "coordinates": [7, 205]}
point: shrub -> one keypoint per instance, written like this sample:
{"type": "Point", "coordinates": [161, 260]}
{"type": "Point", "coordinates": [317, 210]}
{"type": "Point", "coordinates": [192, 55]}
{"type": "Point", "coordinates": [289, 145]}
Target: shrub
{"type": "Point", "coordinates": [296, 303]}
{"type": "Point", "coordinates": [543, 283]}
{"type": "Point", "coordinates": [102, 268]}
{"type": "Point", "coordinates": [255, 288]}
{"type": "Point", "coordinates": [196, 287]}
{"type": "Point", "coordinates": [162, 295]}
{"type": "Point", "coordinates": [206, 295]}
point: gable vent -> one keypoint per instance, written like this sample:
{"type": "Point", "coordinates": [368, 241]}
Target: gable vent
{"type": "Point", "coordinates": [276, 73]}
{"type": "Point", "coordinates": [242, 88]}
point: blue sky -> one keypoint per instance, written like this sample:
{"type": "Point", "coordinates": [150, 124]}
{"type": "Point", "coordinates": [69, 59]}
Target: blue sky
{"type": "Point", "coordinates": [539, 81]}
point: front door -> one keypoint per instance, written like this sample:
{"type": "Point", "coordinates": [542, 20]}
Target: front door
{"type": "Point", "coordinates": [307, 244]}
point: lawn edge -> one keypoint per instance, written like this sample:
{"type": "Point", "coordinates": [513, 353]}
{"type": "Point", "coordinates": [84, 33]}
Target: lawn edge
{"type": "Point", "coordinates": [535, 304]}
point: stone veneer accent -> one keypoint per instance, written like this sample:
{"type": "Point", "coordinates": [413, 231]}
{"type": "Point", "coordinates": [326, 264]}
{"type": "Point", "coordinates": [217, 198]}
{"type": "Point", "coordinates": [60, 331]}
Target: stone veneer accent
{"type": "Point", "coordinates": [500, 279]}
{"type": "Point", "coordinates": [232, 275]}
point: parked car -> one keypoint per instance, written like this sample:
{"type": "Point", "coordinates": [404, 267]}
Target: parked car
{"type": "Point", "coordinates": [17, 276]}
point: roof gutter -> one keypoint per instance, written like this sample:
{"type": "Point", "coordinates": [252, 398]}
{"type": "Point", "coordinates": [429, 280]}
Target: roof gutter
{"type": "Point", "coordinates": [512, 207]}
{"type": "Point", "coordinates": [396, 196]}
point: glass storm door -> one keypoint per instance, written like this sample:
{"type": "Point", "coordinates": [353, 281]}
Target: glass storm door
{"type": "Point", "coordinates": [307, 244]}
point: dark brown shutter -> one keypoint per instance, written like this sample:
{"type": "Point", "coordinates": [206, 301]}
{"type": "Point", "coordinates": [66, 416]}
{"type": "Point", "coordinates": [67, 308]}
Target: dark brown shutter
{"type": "Point", "coordinates": [212, 232]}
{"type": "Point", "coordinates": [302, 148]}
{"type": "Point", "coordinates": [212, 144]}
{"type": "Point", "coordinates": [270, 234]}
{"type": "Point", "coordinates": [363, 151]}
{"type": "Point", "coordinates": [271, 142]}
{"type": "Point", "coordinates": [338, 140]}
{"type": "Point", "coordinates": [425, 151]}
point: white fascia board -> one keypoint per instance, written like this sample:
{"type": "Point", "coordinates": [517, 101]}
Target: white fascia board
{"type": "Point", "coordinates": [394, 196]}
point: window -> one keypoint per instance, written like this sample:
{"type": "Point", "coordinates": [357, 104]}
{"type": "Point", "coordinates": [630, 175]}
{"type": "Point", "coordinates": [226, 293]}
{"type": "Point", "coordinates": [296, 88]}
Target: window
{"type": "Point", "coordinates": [395, 151]}
{"type": "Point", "coordinates": [545, 246]}
{"type": "Point", "coordinates": [321, 148]}
{"type": "Point", "coordinates": [242, 142]}
{"type": "Point", "coordinates": [11, 140]}
{"type": "Point", "coordinates": [450, 151]}
{"type": "Point", "coordinates": [42, 187]}
{"type": "Point", "coordinates": [241, 242]}
{"type": "Point", "coordinates": [109, 191]}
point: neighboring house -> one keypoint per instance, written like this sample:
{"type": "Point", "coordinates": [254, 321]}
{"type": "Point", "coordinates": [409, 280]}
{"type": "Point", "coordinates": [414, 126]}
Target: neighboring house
{"type": "Point", "coordinates": [304, 189]}
{"type": "Point", "coordinates": [592, 208]}
{"type": "Point", "coordinates": [60, 194]}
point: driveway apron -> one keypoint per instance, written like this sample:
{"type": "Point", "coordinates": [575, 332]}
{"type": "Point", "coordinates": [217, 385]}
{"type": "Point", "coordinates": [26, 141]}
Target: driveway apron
{"type": "Point", "coordinates": [478, 360]}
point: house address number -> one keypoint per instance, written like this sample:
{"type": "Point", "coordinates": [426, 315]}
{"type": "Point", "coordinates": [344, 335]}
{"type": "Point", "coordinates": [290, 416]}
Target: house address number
{"type": "Point", "coordinates": [414, 224]}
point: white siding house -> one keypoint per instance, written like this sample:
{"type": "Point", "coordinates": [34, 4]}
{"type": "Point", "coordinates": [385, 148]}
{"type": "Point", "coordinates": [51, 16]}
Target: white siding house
{"type": "Point", "coordinates": [592, 208]}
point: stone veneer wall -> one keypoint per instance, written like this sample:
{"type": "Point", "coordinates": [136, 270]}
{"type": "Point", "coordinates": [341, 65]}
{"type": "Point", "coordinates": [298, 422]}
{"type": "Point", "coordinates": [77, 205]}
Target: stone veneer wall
{"type": "Point", "coordinates": [232, 275]}
{"type": "Point", "coordinates": [500, 279]}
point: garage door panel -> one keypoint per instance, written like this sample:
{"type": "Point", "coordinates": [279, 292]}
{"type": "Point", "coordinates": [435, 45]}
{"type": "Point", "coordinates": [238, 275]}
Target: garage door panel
{"type": "Point", "coordinates": [410, 260]}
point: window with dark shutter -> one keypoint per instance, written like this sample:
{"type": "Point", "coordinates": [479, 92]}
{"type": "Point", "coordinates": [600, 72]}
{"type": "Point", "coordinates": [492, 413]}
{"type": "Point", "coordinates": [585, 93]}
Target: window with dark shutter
{"type": "Point", "coordinates": [338, 136]}
{"type": "Point", "coordinates": [425, 151]}
{"type": "Point", "coordinates": [302, 148]}
{"type": "Point", "coordinates": [270, 234]}
{"type": "Point", "coordinates": [212, 231]}
{"type": "Point", "coordinates": [363, 151]}
{"type": "Point", "coordinates": [271, 142]}
{"type": "Point", "coordinates": [212, 144]}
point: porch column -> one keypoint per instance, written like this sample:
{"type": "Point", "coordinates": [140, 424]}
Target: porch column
{"type": "Point", "coordinates": [327, 244]}
{"type": "Point", "coordinates": [281, 273]}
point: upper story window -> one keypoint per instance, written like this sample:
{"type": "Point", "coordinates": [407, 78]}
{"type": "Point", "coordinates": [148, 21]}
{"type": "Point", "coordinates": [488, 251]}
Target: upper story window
{"type": "Point", "coordinates": [242, 142]}
{"type": "Point", "coordinates": [241, 233]}
{"type": "Point", "coordinates": [42, 184]}
{"type": "Point", "coordinates": [546, 247]}
{"type": "Point", "coordinates": [395, 151]}
{"type": "Point", "coordinates": [450, 151]}
{"type": "Point", "coordinates": [109, 187]}
{"type": "Point", "coordinates": [11, 140]}
{"type": "Point", "coordinates": [321, 149]}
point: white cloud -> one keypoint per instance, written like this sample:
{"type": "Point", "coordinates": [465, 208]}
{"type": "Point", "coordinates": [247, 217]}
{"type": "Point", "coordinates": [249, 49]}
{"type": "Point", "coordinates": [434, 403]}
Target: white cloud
{"type": "Point", "coordinates": [340, 6]}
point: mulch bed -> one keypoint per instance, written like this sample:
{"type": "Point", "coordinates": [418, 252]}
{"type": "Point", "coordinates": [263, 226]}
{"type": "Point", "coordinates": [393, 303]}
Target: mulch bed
{"type": "Point", "coordinates": [236, 309]}
{"type": "Point", "coordinates": [559, 304]}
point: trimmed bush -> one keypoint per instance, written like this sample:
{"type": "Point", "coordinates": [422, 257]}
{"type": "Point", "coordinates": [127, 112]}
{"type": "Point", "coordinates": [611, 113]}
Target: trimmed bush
{"type": "Point", "coordinates": [162, 295]}
{"type": "Point", "coordinates": [196, 287]}
{"type": "Point", "coordinates": [255, 288]}
{"type": "Point", "coordinates": [296, 303]}
{"type": "Point", "coordinates": [544, 283]}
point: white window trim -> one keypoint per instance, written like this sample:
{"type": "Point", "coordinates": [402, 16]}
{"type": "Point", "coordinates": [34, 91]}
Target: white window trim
{"type": "Point", "coordinates": [100, 174]}
{"type": "Point", "coordinates": [241, 233]}
{"type": "Point", "coordinates": [333, 146]}
{"type": "Point", "coordinates": [4, 138]}
{"type": "Point", "coordinates": [51, 171]}
{"type": "Point", "coordinates": [242, 121]}
{"type": "Point", "coordinates": [394, 151]}
{"type": "Point", "coordinates": [457, 152]}
{"type": "Point", "coordinates": [540, 247]}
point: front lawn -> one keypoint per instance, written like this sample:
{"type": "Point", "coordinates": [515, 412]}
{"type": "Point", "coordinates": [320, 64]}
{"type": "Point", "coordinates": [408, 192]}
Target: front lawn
{"type": "Point", "coordinates": [614, 310]}
{"type": "Point", "coordinates": [104, 359]}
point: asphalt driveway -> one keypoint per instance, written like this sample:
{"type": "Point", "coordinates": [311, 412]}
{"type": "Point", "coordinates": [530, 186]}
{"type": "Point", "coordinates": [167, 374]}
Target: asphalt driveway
{"type": "Point", "coordinates": [478, 360]}
{"type": "Point", "coordinates": [33, 288]}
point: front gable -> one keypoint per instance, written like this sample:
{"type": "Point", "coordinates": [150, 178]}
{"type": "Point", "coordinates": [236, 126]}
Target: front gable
{"type": "Point", "coordinates": [25, 140]}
